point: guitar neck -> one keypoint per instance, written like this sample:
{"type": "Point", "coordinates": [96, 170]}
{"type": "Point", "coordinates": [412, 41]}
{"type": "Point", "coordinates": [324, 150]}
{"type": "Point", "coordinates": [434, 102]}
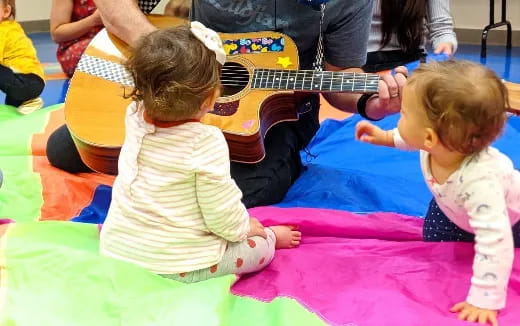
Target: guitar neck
{"type": "Point", "coordinates": [314, 81]}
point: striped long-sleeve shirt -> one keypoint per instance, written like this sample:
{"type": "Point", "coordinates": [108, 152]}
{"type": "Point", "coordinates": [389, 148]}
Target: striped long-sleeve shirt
{"type": "Point", "coordinates": [174, 204]}
{"type": "Point", "coordinates": [438, 26]}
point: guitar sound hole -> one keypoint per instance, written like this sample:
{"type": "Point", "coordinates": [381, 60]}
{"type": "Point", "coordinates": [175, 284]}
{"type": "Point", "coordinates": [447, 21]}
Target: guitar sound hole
{"type": "Point", "coordinates": [234, 78]}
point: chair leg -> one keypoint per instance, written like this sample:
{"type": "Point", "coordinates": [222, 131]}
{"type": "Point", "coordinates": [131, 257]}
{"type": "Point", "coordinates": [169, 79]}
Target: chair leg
{"type": "Point", "coordinates": [509, 35]}
{"type": "Point", "coordinates": [492, 25]}
{"type": "Point", "coordinates": [484, 42]}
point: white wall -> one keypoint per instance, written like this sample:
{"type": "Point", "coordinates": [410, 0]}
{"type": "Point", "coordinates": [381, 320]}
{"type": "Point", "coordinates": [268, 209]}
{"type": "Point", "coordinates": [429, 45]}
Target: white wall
{"type": "Point", "coordinates": [467, 13]}
{"type": "Point", "coordinates": [474, 14]}
{"type": "Point", "coordinates": [33, 9]}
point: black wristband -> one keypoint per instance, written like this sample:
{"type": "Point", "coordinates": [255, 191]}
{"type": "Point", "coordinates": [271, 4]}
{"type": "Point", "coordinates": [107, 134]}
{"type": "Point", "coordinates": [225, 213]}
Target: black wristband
{"type": "Point", "coordinates": [362, 107]}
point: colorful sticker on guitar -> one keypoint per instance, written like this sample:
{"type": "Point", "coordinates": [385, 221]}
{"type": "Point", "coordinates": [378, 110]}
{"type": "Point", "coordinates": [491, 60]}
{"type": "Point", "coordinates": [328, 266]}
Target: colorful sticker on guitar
{"type": "Point", "coordinates": [248, 124]}
{"type": "Point", "coordinates": [254, 45]}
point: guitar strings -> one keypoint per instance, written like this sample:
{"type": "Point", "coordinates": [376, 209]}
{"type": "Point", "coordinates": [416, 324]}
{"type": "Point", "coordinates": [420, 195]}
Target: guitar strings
{"type": "Point", "coordinates": [237, 76]}
{"type": "Point", "coordinates": [298, 83]}
{"type": "Point", "coordinates": [285, 77]}
{"type": "Point", "coordinates": [238, 69]}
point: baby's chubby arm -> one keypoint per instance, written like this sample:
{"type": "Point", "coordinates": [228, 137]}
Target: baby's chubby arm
{"type": "Point", "coordinates": [367, 132]}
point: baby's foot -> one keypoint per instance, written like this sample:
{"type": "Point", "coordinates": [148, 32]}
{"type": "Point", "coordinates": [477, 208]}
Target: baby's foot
{"type": "Point", "coordinates": [286, 236]}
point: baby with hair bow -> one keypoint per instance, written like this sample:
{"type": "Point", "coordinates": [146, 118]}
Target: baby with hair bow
{"type": "Point", "coordinates": [175, 209]}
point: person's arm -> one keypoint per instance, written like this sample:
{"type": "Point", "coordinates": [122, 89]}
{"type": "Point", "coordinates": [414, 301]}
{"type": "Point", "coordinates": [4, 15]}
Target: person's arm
{"type": "Point", "coordinates": [345, 49]}
{"type": "Point", "coordinates": [62, 29]}
{"type": "Point", "coordinates": [386, 102]}
{"type": "Point", "coordinates": [124, 19]}
{"type": "Point", "coordinates": [484, 200]}
{"type": "Point", "coordinates": [440, 26]}
{"type": "Point", "coordinates": [218, 196]}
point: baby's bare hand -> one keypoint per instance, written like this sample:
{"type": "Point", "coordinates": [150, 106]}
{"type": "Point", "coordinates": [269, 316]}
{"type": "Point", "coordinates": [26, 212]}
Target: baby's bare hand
{"type": "Point", "coordinates": [256, 228]}
{"type": "Point", "coordinates": [372, 134]}
{"type": "Point", "coordinates": [474, 314]}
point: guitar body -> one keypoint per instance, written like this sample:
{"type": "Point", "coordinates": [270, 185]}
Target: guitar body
{"type": "Point", "coordinates": [95, 107]}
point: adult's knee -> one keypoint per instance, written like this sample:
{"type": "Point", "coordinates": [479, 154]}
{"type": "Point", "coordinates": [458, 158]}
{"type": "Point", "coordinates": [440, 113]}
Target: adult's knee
{"type": "Point", "coordinates": [62, 152]}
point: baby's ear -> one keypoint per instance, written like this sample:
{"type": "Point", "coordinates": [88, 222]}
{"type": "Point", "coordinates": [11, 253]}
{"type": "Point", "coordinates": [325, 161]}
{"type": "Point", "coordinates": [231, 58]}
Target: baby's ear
{"type": "Point", "coordinates": [431, 139]}
{"type": "Point", "coordinates": [209, 102]}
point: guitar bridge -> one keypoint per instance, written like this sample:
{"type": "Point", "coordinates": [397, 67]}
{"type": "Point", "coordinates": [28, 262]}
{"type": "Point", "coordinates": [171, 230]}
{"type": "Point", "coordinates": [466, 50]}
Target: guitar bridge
{"type": "Point", "coordinates": [225, 109]}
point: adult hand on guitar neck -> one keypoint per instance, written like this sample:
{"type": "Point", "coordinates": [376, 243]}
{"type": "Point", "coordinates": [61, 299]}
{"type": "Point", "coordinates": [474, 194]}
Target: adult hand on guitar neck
{"type": "Point", "coordinates": [388, 100]}
{"type": "Point", "coordinates": [121, 17]}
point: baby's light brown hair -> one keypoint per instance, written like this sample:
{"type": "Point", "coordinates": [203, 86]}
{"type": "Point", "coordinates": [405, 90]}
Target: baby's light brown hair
{"type": "Point", "coordinates": [464, 101]}
{"type": "Point", "coordinates": [173, 73]}
{"type": "Point", "coordinates": [13, 7]}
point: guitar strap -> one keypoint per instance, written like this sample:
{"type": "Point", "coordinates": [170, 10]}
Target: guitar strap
{"type": "Point", "coordinates": [192, 10]}
{"type": "Point", "coordinates": [105, 69]}
{"type": "Point", "coordinates": [318, 61]}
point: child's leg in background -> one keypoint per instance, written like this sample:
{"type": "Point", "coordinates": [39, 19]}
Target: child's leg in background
{"type": "Point", "coordinates": [19, 88]}
{"type": "Point", "coordinates": [243, 257]}
{"type": "Point", "coordinates": [438, 228]}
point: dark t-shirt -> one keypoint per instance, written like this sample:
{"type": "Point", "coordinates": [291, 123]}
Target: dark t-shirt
{"type": "Point", "coordinates": [346, 24]}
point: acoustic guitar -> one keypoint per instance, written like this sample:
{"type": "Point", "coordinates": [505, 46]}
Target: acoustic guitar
{"type": "Point", "coordinates": [259, 80]}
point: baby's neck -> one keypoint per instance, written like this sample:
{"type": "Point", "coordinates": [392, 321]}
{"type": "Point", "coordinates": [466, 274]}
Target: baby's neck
{"type": "Point", "coordinates": [444, 162]}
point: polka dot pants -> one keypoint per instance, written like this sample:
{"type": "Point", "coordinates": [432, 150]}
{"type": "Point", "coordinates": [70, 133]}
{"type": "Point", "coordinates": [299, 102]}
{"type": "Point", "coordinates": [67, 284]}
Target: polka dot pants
{"type": "Point", "coordinates": [438, 228]}
{"type": "Point", "coordinates": [243, 257]}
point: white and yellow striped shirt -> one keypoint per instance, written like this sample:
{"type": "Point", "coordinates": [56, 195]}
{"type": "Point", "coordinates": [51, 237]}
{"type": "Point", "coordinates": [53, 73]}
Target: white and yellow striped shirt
{"type": "Point", "coordinates": [174, 204]}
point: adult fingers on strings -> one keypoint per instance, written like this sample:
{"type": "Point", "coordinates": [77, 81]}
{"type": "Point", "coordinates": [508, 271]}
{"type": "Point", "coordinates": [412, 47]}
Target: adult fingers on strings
{"type": "Point", "coordinates": [401, 81]}
{"type": "Point", "coordinates": [383, 95]}
{"type": "Point", "coordinates": [393, 87]}
{"type": "Point", "coordinates": [401, 70]}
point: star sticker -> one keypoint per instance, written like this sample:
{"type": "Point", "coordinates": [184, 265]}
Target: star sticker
{"type": "Point", "coordinates": [284, 62]}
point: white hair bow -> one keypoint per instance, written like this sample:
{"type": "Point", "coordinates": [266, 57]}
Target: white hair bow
{"type": "Point", "coordinates": [210, 39]}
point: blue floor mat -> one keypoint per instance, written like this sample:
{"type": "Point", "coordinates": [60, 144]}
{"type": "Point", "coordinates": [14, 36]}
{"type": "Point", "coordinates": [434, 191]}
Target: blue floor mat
{"type": "Point", "coordinates": [506, 63]}
{"type": "Point", "coordinates": [341, 173]}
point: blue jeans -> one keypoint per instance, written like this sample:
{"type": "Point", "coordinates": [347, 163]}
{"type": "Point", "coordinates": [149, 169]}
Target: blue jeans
{"type": "Point", "coordinates": [438, 228]}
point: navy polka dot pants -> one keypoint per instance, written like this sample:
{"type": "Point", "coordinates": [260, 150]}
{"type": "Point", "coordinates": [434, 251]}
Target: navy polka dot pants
{"type": "Point", "coordinates": [438, 228]}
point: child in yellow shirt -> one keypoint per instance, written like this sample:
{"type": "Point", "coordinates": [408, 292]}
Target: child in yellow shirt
{"type": "Point", "coordinates": [21, 74]}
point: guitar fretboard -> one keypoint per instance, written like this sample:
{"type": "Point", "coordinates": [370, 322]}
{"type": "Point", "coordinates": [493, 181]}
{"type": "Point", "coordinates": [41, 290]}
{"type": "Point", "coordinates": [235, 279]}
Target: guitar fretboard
{"type": "Point", "coordinates": [315, 81]}
{"type": "Point", "coordinates": [266, 79]}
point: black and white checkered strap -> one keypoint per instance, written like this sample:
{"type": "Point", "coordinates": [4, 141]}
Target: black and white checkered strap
{"type": "Point", "coordinates": [105, 69]}
{"type": "Point", "coordinates": [318, 61]}
{"type": "Point", "coordinates": [147, 5]}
